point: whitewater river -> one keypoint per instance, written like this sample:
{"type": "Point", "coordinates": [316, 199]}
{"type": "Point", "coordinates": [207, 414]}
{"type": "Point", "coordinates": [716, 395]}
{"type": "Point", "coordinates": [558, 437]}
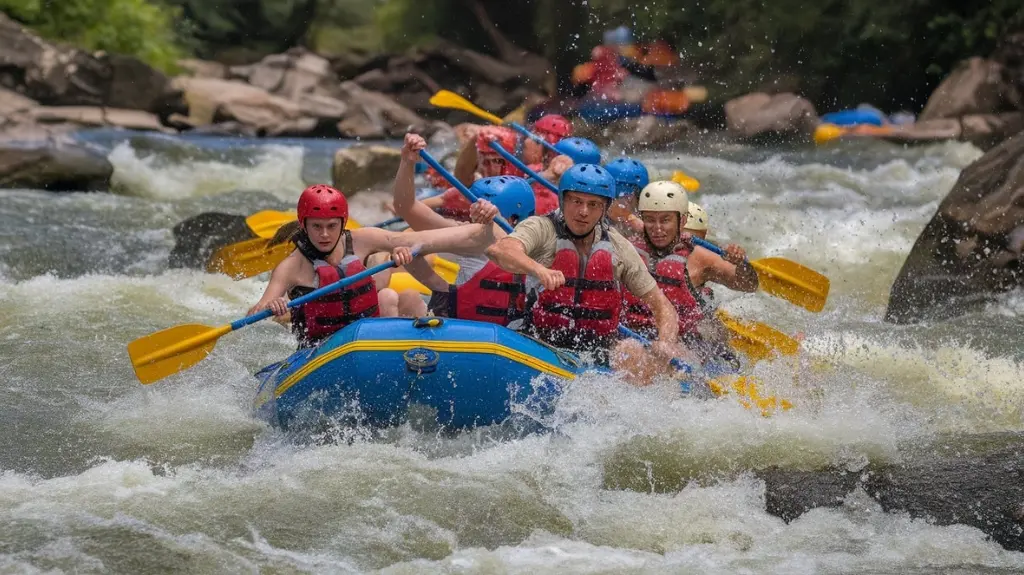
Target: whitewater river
{"type": "Point", "coordinates": [101, 474]}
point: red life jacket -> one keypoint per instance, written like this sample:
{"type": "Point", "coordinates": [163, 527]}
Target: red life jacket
{"type": "Point", "coordinates": [492, 295]}
{"type": "Point", "coordinates": [315, 320]}
{"type": "Point", "coordinates": [674, 280]}
{"type": "Point", "coordinates": [588, 306]}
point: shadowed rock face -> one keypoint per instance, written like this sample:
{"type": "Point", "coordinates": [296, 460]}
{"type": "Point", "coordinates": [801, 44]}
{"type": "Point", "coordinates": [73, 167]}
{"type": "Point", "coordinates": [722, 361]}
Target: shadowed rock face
{"type": "Point", "coordinates": [972, 247]}
{"type": "Point", "coordinates": [197, 238]}
{"type": "Point", "coordinates": [53, 165]}
{"type": "Point", "coordinates": [973, 480]}
{"type": "Point", "coordinates": [948, 486]}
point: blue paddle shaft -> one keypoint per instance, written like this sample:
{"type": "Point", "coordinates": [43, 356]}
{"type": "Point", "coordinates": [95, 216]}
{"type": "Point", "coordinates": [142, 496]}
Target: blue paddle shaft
{"type": "Point", "coordinates": [237, 324]}
{"type": "Point", "coordinates": [522, 130]}
{"type": "Point", "coordinates": [461, 187]}
{"type": "Point", "coordinates": [712, 247]}
{"type": "Point", "coordinates": [519, 164]}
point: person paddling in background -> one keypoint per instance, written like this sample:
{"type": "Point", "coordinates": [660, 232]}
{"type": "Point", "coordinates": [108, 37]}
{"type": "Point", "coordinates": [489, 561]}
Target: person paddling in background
{"type": "Point", "coordinates": [478, 152]}
{"type": "Point", "coordinates": [582, 265]}
{"type": "Point", "coordinates": [680, 269]}
{"type": "Point", "coordinates": [553, 128]}
{"type": "Point", "coordinates": [697, 222]}
{"type": "Point", "coordinates": [326, 252]}
{"type": "Point", "coordinates": [630, 176]}
{"type": "Point", "coordinates": [483, 291]}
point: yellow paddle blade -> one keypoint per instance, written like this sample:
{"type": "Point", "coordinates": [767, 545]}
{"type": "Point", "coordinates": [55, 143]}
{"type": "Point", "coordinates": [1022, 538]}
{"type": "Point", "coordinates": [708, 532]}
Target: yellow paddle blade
{"type": "Point", "coordinates": [169, 351]}
{"type": "Point", "coordinates": [266, 223]}
{"type": "Point", "coordinates": [249, 258]}
{"type": "Point", "coordinates": [745, 390]}
{"type": "Point", "coordinates": [792, 282]}
{"type": "Point", "coordinates": [401, 281]}
{"type": "Point", "coordinates": [252, 257]}
{"type": "Point", "coordinates": [446, 269]}
{"type": "Point", "coordinates": [689, 182]}
{"type": "Point", "coordinates": [757, 340]}
{"type": "Point", "coordinates": [446, 99]}
{"type": "Point", "coordinates": [825, 133]}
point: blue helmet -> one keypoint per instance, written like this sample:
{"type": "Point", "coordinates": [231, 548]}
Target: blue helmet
{"type": "Point", "coordinates": [581, 150]}
{"type": "Point", "coordinates": [630, 176]}
{"type": "Point", "coordinates": [588, 179]}
{"type": "Point", "coordinates": [511, 195]}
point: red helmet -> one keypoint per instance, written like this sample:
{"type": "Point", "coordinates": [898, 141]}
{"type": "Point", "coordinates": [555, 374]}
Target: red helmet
{"type": "Point", "coordinates": [322, 201]}
{"type": "Point", "coordinates": [553, 125]}
{"type": "Point", "coordinates": [507, 138]}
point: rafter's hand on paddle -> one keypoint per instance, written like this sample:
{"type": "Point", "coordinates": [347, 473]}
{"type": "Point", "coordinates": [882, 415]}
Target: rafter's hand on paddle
{"type": "Point", "coordinates": [412, 146]}
{"type": "Point", "coordinates": [482, 212]}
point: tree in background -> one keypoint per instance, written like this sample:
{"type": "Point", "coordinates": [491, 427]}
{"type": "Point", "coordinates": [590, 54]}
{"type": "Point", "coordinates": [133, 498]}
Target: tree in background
{"type": "Point", "coordinates": [837, 53]}
{"type": "Point", "coordinates": [148, 30]}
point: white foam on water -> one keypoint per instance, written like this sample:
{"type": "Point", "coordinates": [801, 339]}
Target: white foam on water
{"type": "Point", "coordinates": [973, 391]}
{"type": "Point", "coordinates": [183, 477]}
{"type": "Point", "coordinates": [276, 169]}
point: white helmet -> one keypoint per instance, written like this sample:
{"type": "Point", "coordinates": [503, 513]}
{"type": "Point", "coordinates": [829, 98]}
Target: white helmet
{"type": "Point", "coordinates": [664, 196]}
{"type": "Point", "coordinates": [698, 220]}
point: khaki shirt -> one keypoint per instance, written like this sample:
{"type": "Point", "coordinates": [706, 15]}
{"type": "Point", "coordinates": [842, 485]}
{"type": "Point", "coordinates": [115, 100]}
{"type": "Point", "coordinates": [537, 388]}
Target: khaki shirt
{"type": "Point", "coordinates": [537, 234]}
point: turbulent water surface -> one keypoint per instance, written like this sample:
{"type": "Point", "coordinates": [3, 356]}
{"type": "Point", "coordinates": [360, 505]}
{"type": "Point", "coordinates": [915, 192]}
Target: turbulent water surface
{"type": "Point", "coordinates": [101, 474]}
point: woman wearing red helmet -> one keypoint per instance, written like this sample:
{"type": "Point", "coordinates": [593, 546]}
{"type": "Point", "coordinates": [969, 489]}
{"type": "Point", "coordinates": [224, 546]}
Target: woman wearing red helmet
{"type": "Point", "coordinates": [553, 128]}
{"type": "Point", "coordinates": [326, 252]}
{"type": "Point", "coordinates": [490, 164]}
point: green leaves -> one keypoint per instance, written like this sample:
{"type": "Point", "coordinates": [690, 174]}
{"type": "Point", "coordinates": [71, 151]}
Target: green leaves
{"type": "Point", "coordinates": [138, 27]}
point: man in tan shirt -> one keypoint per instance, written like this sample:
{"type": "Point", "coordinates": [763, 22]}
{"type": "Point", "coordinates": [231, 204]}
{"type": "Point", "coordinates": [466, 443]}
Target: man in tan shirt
{"type": "Point", "coordinates": [583, 266]}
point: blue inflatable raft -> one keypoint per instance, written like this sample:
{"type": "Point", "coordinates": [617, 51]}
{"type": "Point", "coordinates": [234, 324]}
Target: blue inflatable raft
{"type": "Point", "coordinates": [375, 370]}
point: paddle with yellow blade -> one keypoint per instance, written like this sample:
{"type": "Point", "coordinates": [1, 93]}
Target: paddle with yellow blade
{"type": "Point", "coordinates": [745, 388]}
{"type": "Point", "coordinates": [174, 349]}
{"type": "Point", "coordinates": [447, 99]}
{"type": "Point", "coordinates": [266, 223]}
{"type": "Point", "coordinates": [250, 258]}
{"type": "Point", "coordinates": [782, 278]}
{"type": "Point", "coordinates": [779, 277]}
{"type": "Point", "coordinates": [757, 340]}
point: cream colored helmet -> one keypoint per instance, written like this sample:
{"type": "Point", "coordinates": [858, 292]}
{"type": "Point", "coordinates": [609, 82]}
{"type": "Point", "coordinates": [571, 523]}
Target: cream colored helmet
{"type": "Point", "coordinates": [664, 196]}
{"type": "Point", "coordinates": [698, 220]}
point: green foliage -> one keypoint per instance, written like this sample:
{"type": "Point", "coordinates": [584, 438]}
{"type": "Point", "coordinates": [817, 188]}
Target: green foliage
{"type": "Point", "coordinates": [138, 27]}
